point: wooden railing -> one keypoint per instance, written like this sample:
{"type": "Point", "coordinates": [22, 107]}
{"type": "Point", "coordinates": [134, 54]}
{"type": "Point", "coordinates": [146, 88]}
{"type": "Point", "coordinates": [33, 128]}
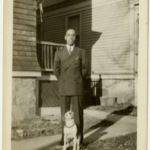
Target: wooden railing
{"type": "Point", "coordinates": [45, 54]}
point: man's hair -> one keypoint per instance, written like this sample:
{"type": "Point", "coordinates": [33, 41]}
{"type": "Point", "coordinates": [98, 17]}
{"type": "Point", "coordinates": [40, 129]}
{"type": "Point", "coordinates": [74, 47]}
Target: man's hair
{"type": "Point", "coordinates": [70, 29]}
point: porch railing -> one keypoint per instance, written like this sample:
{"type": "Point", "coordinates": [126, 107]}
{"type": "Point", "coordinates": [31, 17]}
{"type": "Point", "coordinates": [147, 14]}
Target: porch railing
{"type": "Point", "coordinates": [45, 54]}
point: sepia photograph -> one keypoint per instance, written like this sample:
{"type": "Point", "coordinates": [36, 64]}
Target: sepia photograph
{"type": "Point", "coordinates": [75, 75]}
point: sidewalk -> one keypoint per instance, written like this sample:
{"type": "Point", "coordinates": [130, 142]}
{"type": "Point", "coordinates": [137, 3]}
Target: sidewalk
{"type": "Point", "coordinates": [122, 125]}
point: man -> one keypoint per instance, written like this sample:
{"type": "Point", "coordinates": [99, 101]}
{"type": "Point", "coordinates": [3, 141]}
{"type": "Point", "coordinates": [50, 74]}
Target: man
{"type": "Point", "coordinates": [70, 67]}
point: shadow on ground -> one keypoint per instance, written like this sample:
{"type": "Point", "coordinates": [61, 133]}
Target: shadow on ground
{"type": "Point", "coordinates": [104, 124]}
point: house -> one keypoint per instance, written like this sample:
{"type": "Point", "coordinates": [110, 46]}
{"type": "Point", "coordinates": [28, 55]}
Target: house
{"type": "Point", "coordinates": [107, 30]}
{"type": "Point", "coordinates": [25, 63]}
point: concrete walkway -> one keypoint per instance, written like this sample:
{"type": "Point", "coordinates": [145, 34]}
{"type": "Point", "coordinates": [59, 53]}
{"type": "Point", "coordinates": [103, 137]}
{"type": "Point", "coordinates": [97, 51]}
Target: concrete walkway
{"type": "Point", "coordinates": [121, 125]}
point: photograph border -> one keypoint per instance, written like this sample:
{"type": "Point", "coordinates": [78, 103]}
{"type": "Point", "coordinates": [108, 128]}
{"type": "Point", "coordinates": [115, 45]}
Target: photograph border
{"type": "Point", "coordinates": [142, 77]}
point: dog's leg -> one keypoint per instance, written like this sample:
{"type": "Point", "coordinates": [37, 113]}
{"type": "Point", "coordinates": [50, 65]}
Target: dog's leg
{"type": "Point", "coordinates": [78, 143]}
{"type": "Point", "coordinates": [68, 142]}
{"type": "Point", "coordinates": [64, 148]}
{"type": "Point", "coordinates": [75, 142]}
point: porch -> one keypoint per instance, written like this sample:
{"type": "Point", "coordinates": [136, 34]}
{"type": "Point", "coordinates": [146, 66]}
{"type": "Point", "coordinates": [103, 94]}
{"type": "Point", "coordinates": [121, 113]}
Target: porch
{"type": "Point", "coordinates": [96, 85]}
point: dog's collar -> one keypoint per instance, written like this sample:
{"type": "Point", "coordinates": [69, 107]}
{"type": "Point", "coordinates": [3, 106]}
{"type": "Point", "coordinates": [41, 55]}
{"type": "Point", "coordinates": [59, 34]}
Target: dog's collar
{"type": "Point", "coordinates": [70, 126]}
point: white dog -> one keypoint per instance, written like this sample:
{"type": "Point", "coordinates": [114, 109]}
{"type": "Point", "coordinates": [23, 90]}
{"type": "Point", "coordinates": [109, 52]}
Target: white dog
{"type": "Point", "coordinates": [70, 131]}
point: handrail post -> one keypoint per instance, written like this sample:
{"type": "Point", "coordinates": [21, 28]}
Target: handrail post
{"type": "Point", "coordinates": [45, 65]}
{"type": "Point", "coordinates": [51, 57]}
{"type": "Point", "coordinates": [48, 58]}
{"type": "Point", "coordinates": [42, 56]}
{"type": "Point", "coordinates": [45, 54]}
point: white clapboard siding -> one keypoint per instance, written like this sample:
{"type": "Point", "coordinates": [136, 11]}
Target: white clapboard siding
{"type": "Point", "coordinates": [54, 29]}
{"type": "Point", "coordinates": [106, 37]}
{"type": "Point", "coordinates": [105, 34]}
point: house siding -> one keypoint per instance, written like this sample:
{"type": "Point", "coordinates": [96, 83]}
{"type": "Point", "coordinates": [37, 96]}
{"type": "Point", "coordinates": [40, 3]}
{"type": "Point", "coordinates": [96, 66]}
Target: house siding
{"type": "Point", "coordinates": [111, 52]}
{"type": "Point", "coordinates": [106, 36]}
{"type": "Point", "coordinates": [24, 36]}
{"type": "Point", "coordinates": [51, 2]}
{"type": "Point", "coordinates": [102, 22]}
{"type": "Point", "coordinates": [54, 29]}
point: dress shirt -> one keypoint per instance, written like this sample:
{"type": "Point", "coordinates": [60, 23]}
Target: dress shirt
{"type": "Point", "coordinates": [70, 48]}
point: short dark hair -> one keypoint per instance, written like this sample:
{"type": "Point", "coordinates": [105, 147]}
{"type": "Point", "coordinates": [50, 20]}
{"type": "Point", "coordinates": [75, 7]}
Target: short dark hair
{"type": "Point", "coordinates": [70, 29]}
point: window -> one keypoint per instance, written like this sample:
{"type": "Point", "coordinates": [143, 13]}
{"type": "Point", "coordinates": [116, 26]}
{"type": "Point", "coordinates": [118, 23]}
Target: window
{"type": "Point", "coordinates": [73, 22]}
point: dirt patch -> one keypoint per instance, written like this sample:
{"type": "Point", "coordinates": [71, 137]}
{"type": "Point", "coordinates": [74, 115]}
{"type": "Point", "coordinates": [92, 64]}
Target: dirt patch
{"type": "Point", "coordinates": [51, 125]}
{"type": "Point", "coordinates": [44, 126]}
{"type": "Point", "coordinates": [127, 142]}
{"type": "Point", "coordinates": [35, 127]}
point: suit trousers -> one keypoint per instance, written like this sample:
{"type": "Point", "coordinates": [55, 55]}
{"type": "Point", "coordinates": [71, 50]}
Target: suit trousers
{"type": "Point", "coordinates": [76, 103]}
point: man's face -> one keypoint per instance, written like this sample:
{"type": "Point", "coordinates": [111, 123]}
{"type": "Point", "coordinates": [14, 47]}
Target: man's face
{"type": "Point", "coordinates": [70, 37]}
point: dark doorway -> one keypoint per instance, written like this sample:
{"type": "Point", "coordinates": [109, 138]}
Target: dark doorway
{"type": "Point", "coordinates": [73, 22]}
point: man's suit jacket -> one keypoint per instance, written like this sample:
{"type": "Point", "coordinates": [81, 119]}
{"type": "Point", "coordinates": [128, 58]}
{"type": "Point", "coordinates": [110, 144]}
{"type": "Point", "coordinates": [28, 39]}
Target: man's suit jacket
{"type": "Point", "coordinates": [70, 70]}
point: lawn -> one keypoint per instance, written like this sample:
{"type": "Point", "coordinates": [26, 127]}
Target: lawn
{"type": "Point", "coordinates": [51, 125]}
{"type": "Point", "coordinates": [44, 126]}
{"type": "Point", "coordinates": [127, 142]}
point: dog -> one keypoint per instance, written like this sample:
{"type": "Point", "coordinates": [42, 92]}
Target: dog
{"type": "Point", "coordinates": [70, 131]}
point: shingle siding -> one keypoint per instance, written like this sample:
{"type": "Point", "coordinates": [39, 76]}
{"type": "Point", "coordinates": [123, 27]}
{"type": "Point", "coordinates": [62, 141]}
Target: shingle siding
{"type": "Point", "coordinates": [24, 36]}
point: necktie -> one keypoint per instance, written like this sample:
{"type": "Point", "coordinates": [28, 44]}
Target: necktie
{"type": "Point", "coordinates": [69, 50]}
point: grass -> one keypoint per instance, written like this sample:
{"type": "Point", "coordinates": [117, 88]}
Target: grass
{"type": "Point", "coordinates": [127, 142]}
{"type": "Point", "coordinates": [51, 125]}
{"type": "Point", "coordinates": [47, 126]}
{"type": "Point", "coordinates": [35, 127]}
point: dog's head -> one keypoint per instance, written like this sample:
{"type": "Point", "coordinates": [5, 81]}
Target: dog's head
{"type": "Point", "coordinates": [69, 115]}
